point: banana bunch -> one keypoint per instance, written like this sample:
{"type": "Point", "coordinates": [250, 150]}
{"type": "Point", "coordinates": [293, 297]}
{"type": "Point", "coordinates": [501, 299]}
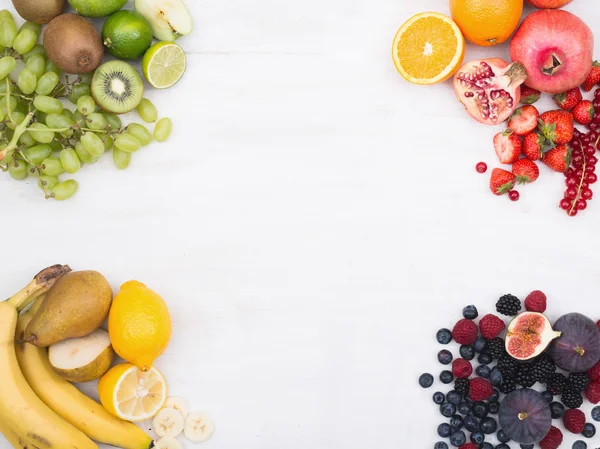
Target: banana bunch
{"type": "Point", "coordinates": [39, 409]}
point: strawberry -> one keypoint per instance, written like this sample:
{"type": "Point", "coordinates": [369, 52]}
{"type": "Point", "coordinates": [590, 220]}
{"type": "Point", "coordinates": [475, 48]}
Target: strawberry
{"type": "Point", "coordinates": [524, 120]}
{"type": "Point", "coordinates": [584, 112]}
{"type": "Point", "coordinates": [525, 171]}
{"type": "Point", "coordinates": [559, 158]}
{"type": "Point", "coordinates": [507, 146]}
{"type": "Point", "coordinates": [502, 181]}
{"type": "Point", "coordinates": [593, 78]}
{"type": "Point", "coordinates": [534, 146]}
{"type": "Point", "coordinates": [569, 99]}
{"type": "Point", "coordinates": [529, 95]}
{"type": "Point", "coordinates": [557, 126]}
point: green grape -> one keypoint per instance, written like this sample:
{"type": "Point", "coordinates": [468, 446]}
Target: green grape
{"type": "Point", "coordinates": [22, 106]}
{"type": "Point", "coordinates": [109, 142]}
{"type": "Point", "coordinates": [52, 68]}
{"type": "Point", "coordinates": [65, 190]}
{"type": "Point", "coordinates": [5, 14]}
{"type": "Point", "coordinates": [7, 65]}
{"type": "Point", "coordinates": [18, 170]}
{"type": "Point", "coordinates": [83, 155]}
{"type": "Point", "coordinates": [47, 83]}
{"type": "Point", "coordinates": [78, 117]}
{"type": "Point", "coordinates": [27, 81]}
{"type": "Point", "coordinates": [121, 159]}
{"type": "Point", "coordinates": [17, 119]}
{"type": "Point", "coordinates": [96, 121]}
{"type": "Point", "coordinates": [36, 28]}
{"type": "Point", "coordinates": [39, 132]}
{"type": "Point", "coordinates": [147, 111]}
{"type": "Point", "coordinates": [69, 114]}
{"type": "Point", "coordinates": [140, 131]}
{"type": "Point", "coordinates": [163, 129]}
{"type": "Point", "coordinates": [93, 144]}
{"type": "Point", "coordinates": [37, 64]}
{"type": "Point", "coordinates": [2, 119]}
{"type": "Point", "coordinates": [8, 31]}
{"type": "Point", "coordinates": [48, 105]}
{"type": "Point", "coordinates": [26, 139]}
{"type": "Point", "coordinates": [4, 88]}
{"type": "Point", "coordinates": [70, 161]}
{"type": "Point", "coordinates": [12, 104]}
{"type": "Point", "coordinates": [113, 120]}
{"type": "Point", "coordinates": [56, 145]}
{"type": "Point", "coordinates": [41, 116]}
{"type": "Point", "coordinates": [59, 121]}
{"type": "Point", "coordinates": [33, 171]}
{"type": "Point", "coordinates": [25, 41]}
{"type": "Point", "coordinates": [52, 166]}
{"type": "Point", "coordinates": [86, 78]}
{"type": "Point", "coordinates": [86, 105]}
{"type": "Point", "coordinates": [36, 154]}
{"type": "Point", "coordinates": [47, 183]}
{"type": "Point", "coordinates": [127, 143]}
{"type": "Point", "coordinates": [36, 50]}
{"type": "Point", "coordinates": [78, 91]}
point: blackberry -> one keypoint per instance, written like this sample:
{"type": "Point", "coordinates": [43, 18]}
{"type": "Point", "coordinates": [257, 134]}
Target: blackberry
{"type": "Point", "coordinates": [496, 347]}
{"type": "Point", "coordinates": [470, 312]}
{"type": "Point", "coordinates": [543, 368]}
{"type": "Point", "coordinates": [507, 365]}
{"type": "Point", "coordinates": [578, 382]}
{"type": "Point", "coordinates": [508, 385]}
{"type": "Point", "coordinates": [524, 376]}
{"type": "Point", "coordinates": [571, 399]}
{"type": "Point", "coordinates": [557, 383]}
{"type": "Point", "coordinates": [462, 386]}
{"type": "Point", "coordinates": [508, 305]}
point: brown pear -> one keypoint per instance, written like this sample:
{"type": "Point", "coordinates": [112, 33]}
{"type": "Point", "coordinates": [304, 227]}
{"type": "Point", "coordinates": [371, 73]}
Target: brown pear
{"type": "Point", "coordinates": [75, 306]}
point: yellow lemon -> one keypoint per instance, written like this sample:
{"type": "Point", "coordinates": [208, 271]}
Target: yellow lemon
{"type": "Point", "coordinates": [139, 325]}
{"type": "Point", "coordinates": [131, 394]}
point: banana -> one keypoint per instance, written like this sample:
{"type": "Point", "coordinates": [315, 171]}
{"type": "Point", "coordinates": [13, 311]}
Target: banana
{"type": "Point", "coordinates": [25, 420]}
{"type": "Point", "coordinates": [179, 404]}
{"type": "Point", "coordinates": [66, 400]}
{"type": "Point", "coordinates": [168, 423]}
{"type": "Point", "coordinates": [169, 443]}
{"type": "Point", "coordinates": [199, 426]}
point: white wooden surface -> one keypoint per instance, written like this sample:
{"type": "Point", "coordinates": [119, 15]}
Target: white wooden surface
{"type": "Point", "coordinates": [312, 222]}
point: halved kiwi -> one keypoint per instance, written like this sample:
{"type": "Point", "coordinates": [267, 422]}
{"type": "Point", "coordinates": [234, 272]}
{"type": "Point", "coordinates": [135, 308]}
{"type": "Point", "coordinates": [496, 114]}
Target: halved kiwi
{"type": "Point", "coordinates": [117, 87]}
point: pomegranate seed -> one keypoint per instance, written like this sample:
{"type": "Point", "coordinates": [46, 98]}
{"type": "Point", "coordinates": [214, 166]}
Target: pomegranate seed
{"type": "Point", "coordinates": [513, 195]}
{"type": "Point", "coordinates": [481, 167]}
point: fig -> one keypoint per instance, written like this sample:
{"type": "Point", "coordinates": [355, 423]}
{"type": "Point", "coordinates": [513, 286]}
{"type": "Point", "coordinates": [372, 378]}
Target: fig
{"type": "Point", "coordinates": [578, 348]}
{"type": "Point", "coordinates": [528, 335]}
{"type": "Point", "coordinates": [525, 416]}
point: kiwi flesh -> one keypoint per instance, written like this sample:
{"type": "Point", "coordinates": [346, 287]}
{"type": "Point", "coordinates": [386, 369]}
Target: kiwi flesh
{"type": "Point", "coordinates": [39, 11]}
{"type": "Point", "coordinates": [73, 44]}
{"type": "Point", "coordinates": [117, 87]}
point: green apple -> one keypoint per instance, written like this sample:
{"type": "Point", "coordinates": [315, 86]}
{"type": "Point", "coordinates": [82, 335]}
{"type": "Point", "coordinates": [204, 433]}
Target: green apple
{"type": "Point", "coordinates": [169, 19]}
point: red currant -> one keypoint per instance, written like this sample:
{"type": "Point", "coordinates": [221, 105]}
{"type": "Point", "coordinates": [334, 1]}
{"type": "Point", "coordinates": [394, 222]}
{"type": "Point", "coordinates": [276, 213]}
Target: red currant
{"type": "Point", "coordinates": [577, 153]}
{"type": "Point", "coordinates": [586, 140]}
{"type": "Point", "coordinates": [590, 168]}
{"type": "Point", "coordinates": [566, 204]}
{"type": "Point", "coordinates": [579, 173]}
{"type": "Point", "coordinates": [593, 135]}
{"type": "Point", "coordinates": [571, 193]}
{"type": "Point", "coordinates": [572, 212]}
{"type": "Point", "coordinates": [585, 184]}
{"type": "Point", "coordinates": [592, 160]}
{"type": "Point", "coordinates": [587, 194]}
{"type": "Point", "coordinates": [596, 120]}
{"type": "Point", "coordinates": [571, 181]}
{"type": "Point", "coordinates": [481, 167]}
{"type": "Point", "coordinates": [513, 195]}
{"type": "Point", "coordinates": [597, 93]}
{"type": "Point", "coordinates": [591, 178]}
{"type": "Point", "coordinates": [570, 172]}
{"type": "Point", "coordinates": [589, 150]}
{"type": "Point", "coordinates": [577, 161]}
{"type": "Point", "coordinates": [581, 204]}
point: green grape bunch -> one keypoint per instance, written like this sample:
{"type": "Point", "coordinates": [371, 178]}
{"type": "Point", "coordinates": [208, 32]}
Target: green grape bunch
{"type": "Point", "coordinates": [42, 138]}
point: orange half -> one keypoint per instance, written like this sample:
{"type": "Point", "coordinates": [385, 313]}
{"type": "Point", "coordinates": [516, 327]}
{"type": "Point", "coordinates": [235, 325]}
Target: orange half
{"type": "Point", "coordinates": [429, 48]}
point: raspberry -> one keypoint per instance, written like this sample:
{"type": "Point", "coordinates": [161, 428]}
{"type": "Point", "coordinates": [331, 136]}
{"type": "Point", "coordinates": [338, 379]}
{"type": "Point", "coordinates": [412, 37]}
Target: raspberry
{"type": "Point", "coordinates": [481, 389]}
{"type": "Point", "coordinates": [536, 302]}
{"type": "Point", "coordinates": [594, 372]}
{"type": "Point", "coordinates": [574, 420]}
{"type": "Point", "coordinates": [598, 323]}
{"type": "Point", "coordinates": [490, 326]}
{"type": "Point", "coordinates": [552, 440]}
{"type": "Point", "coordinates": [592, 392]}
{"type": "Point", "coordinates": [469, 446]}
{"type": "Point", "coordinates": [462, 368]}
{"type": "Point", "coordinates": [465, 332]}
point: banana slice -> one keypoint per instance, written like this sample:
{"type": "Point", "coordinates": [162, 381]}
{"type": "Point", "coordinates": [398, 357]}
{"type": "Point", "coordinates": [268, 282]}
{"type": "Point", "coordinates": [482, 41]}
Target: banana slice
{"type": "Point", "coordinates": [168, 423]}
{"type": "Point", "coordinates": [178, 403]}
{"type": "Point", "coordinates": [169, 443]}
{"type": "Point", "coordinates": [199, 426]}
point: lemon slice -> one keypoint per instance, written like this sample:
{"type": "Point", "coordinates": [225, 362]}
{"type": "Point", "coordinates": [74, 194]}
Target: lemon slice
{"type": "Point", "coordinates": [131, 394]}
{"type": "Point", "coordinates": [164, 64]}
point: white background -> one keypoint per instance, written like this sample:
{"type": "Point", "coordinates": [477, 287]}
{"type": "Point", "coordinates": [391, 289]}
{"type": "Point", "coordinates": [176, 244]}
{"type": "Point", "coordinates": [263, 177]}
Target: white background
{"type": "Point", "coordinates": [312, 222]}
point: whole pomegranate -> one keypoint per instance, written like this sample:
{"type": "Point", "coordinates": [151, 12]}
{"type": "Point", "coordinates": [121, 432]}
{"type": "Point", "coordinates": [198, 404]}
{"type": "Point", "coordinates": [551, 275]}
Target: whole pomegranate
{"type": "Point", "coordinates": [556, 48]}
{"type": "Point", "coordinates": [549, 4]}
{"type": "Point", "coordinates": [489, 89]}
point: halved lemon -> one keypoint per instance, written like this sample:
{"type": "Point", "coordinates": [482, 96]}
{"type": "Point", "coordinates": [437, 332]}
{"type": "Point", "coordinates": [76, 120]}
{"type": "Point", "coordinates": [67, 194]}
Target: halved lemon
{"type": "Point", "coordinates": [429, 48]}
{"type": "Point", "coordinates": [131, 394]}
{"type": "Point", "coordinates": [164, 64]}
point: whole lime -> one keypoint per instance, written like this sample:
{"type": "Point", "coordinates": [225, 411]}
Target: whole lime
{"type": "Point", "coordinates": [96, 8]}
{"type": "Point", "coordinates": [127, 35]}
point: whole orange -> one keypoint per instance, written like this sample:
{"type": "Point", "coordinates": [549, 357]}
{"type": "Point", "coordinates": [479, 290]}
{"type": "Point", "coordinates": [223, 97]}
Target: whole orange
{"type": "Point", "coordinates": [487, 22]}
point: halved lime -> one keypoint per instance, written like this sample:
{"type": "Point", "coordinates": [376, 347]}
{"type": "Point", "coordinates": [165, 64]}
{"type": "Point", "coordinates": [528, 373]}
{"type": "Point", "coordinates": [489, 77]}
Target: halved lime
{"type": "Point", "coordinates": [164, 64]}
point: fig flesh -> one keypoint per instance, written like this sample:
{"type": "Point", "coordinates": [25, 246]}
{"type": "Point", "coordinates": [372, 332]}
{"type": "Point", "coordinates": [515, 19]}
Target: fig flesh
{"type": "Point", "coordinates": [578, 348]}
{"type": "Point", "coordinates": [528, 335]}
{"type": "Point", "coordinates": [525, 416]}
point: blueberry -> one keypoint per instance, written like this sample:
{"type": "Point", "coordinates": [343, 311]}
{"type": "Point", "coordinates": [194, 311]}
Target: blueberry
{"type": "Point", "coordinates": [477, 437]}
{"type": "Point", "coordinates": [480, 410]}
{"type": "Point", "coordinates": [495, 396]}
{"type": "Point", "coordinates": [557, 409]}
{"type": "Point", "coordinates": [444, 357]}
{"type": "Point", "coordinates": [447, 410]}
{"type": "Point", "coordinates": [464, 408]}
{"type": "Point", "coordinates": [440, 445]}
{"type": "Point", "coordinates": [471, 423]}
{"type": "Point", "coordinates": [456, 422]}
{"type": "Point", "coordinates": [444, 336]}
{"type": "Point", "coordinates": [458, 438]}
{"type": "Point", "coordinates": [526, 446]}
{"type": "Point", "coordinates": [446, 377]}
{"type": "Point", "coordinates": [438, 397]}
{"type": "Point", "coordinates": [548, 396]}
{"type": "Point", "coordinates": [502, 436]}
{"type": "Point", "coordinates": [485, 358]}
{"type": "Point", "coordinates": [486, 445]}
{"type": "Point", "coordinates": [579, 445]}
{"type": "Point", "coordinates": [470, 312]}
{"type": "Point", "coordinates": [483, 371]}
{"type": "Point", "coordinates": [454, 398]}
{"type": "Point", "coordinates": [467, 352]}
{"type": "Point", "coordinates": [496, 377]}
{"type": "Point", "coordinates": [444, 430]}
{"type": "Point", "coordinates": [502, 446]}
{"type": "Point", "coordinates": [596, 413]}
{"type": "Point", "coordinates": [493, 407]}
{"type": "Point", "coordinates": [480, 344]}
{"type": "Point", "coordinates": [589, 430]}
{"type": "Point", "coordinates": [426, 380]}
{"type": "Point", "coordinates": [488, 425]}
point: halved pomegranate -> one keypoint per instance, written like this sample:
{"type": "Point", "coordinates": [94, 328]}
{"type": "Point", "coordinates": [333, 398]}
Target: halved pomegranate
{"type": "Point", "coordinates": [528, 335]}
{"type": "Point", "coordinates": [490, 89]}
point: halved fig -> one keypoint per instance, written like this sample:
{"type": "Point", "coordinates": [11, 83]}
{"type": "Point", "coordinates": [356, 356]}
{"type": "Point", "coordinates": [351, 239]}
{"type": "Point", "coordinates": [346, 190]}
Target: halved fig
{"type": "Point", "coordinates": [525, 416]}
{"type": "Point", "coordinates": [528, 335]}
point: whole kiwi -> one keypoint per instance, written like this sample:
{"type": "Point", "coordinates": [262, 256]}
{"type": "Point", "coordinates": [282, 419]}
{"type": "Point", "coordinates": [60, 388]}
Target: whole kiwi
{"type": "Point", "coordinates": [73, 44]}
{"type": "Point", "coordinates": [39, 11]}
